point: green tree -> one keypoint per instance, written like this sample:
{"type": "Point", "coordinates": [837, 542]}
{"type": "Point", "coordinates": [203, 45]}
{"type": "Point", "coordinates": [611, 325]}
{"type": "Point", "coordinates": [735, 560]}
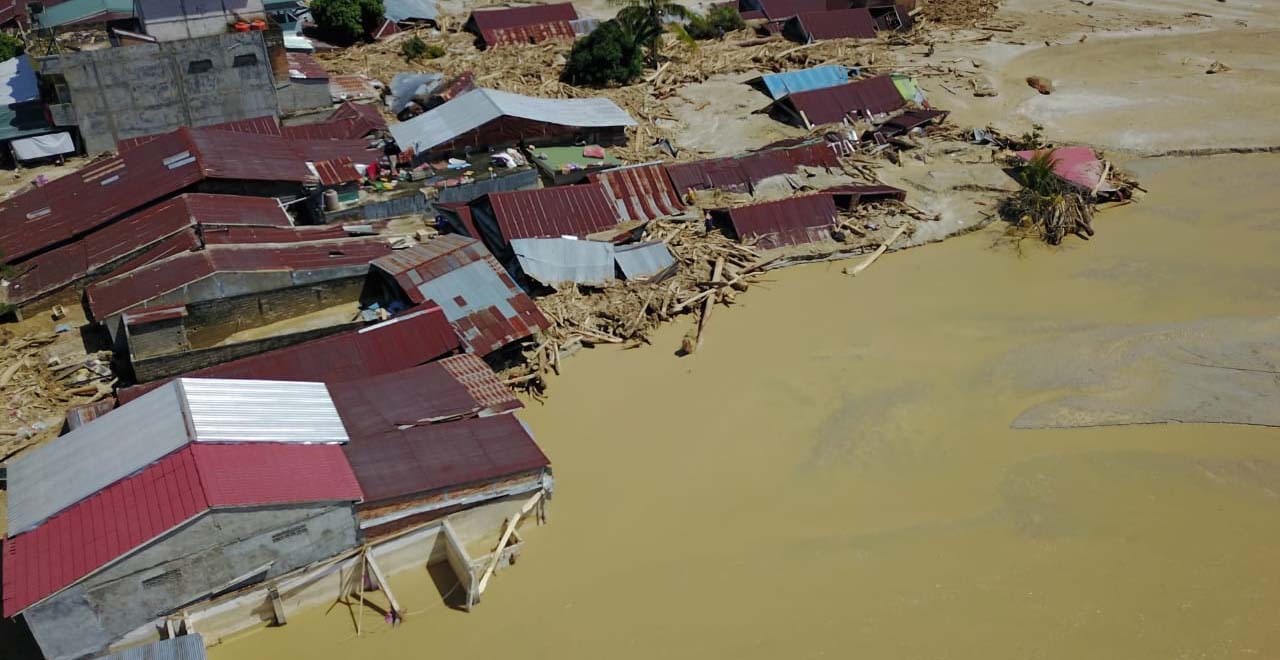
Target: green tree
{"type": "Point", "coordinates": [346, 21]}
{"type": "Point", "coordinates": [720, 20]}
{"type": "Point", "coordinates": [10, 46]}
{"type": "Point", "coordinates": [646, 21]}
{"type": "Point", "coordinates": [610, 54]}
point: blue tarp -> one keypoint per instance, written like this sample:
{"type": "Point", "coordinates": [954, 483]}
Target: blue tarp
{"type": "Point", "coordinates": [828, 75]}
{"type": "Point", "coordinates": [20, 84]}
{"type": "Point", "coordinates": [410, 10]}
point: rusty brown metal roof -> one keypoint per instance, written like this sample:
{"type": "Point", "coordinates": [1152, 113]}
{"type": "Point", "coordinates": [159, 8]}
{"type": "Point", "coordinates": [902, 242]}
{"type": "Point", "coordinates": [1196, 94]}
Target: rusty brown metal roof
{"type": "Point", "coordinates": [640, 192]}
{"type": "Point", "coordinates": [523, 24]}
{"type": "Point", "coordinates": [833, 104]}
{"type": "Point", "coordinates": [836, 24]}
{"type": "Point", "coordinates": [790, 221]}
{"type": "Point", "coordinates": [552, 212]}
{"type": "Point", "coordinates": [741, 173]}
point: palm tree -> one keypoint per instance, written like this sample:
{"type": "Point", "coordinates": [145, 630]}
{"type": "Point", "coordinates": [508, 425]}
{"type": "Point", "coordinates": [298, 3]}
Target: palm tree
{"type": "Point", "coordinates": [646, 21]}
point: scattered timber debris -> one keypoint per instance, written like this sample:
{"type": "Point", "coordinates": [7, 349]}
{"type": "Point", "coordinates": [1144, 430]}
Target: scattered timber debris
{"type": "Point", "coordinates": [44, 376]}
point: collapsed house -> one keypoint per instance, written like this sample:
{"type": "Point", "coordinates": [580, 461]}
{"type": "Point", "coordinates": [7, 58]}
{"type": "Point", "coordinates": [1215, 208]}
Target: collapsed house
{"type": "Point", "coordinates": [196, 489]}
{"type": "Point", "coordinates": [522, 25]}
{"type": "Point", "coordinates": [862, 99]}
{"type": "Point", "coordinates": [486, 119]}
{"type": "Point", "coordinates": [742, 173]}
{"type": "Point", "coordinates": [802, 219]}
{"type": "Point", "coordinates": [779, 85]}
{"type": "Point", "coordinates": [196, 309]}
{"type": "Point", "coordinates": [810, 26]}
{"type": "Point", "coordinates": [479, 298]}
{"type": "Point", "coordinates": [639, 192]}
{"type": "Point", "coordinates": [499, 218]}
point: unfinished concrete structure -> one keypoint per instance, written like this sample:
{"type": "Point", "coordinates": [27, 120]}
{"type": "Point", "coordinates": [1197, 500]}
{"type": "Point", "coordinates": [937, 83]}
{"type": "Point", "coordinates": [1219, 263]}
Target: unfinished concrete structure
{"type": "Point", "coordinates": [172, 20]}
{"type": "Point", "coordinates": [119, 93]}
{"type": "Point", "coordinates": [197, 489]}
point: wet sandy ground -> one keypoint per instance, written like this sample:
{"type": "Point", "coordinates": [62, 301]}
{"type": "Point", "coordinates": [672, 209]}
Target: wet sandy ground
{"type": "Point", "coordinates": [834, 473]}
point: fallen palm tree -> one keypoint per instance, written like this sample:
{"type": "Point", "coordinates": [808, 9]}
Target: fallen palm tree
{"type": "Point", "coordinates": [1060, 191]}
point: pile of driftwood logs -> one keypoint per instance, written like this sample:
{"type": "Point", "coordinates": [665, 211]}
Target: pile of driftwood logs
{"type": "Point", "coordinates": [40, 382]}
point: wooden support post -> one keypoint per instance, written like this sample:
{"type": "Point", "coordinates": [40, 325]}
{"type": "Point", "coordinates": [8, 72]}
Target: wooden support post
{"type": "Point", "coordinates": [277, 606]}
{"type": "Point", "coordinates": [876, 255]}
{"type": "Point", "coordinates": [360, 590]}
{"type": "Point", "coordinates": [506, 535]}
{"type": "Point", "coordinates": [383, 584]}
{"type": "Point", "coordinates": [716, 273]}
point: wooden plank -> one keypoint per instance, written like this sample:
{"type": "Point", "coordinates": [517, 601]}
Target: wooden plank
{"type": "Point", "coordinates": [383, 584]}
{"type": "Point", "coordinates": [506, 536]}
{"type": "Point", "coordinates": [277, 606]}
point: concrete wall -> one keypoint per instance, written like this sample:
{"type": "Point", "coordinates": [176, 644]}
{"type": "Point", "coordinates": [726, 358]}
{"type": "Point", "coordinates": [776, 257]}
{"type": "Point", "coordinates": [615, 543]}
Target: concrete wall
{"type": "Point", "coordinates": [179, 363]}
{"type": "Point", "coordinates": [153, 88]}
{"type": "Point", "coordinates": [299, 95]}
{"type": "Point", "coordinates": [190, 564]}
{"type": "Point", "coordinates": [171, 20]}
{"type": "Point", "coordinates": [211, 322]}
{"type": "Point", "coordinates": [158, 338]}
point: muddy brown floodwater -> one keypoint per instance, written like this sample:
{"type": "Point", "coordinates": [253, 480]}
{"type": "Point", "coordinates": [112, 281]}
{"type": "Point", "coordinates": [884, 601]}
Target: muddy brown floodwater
{"type": "Point", "coordinates": [834, 473]}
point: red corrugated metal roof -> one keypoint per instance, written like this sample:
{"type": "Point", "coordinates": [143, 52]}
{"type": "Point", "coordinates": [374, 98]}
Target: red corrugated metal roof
{"type": "Point", "coordinates": [741, 173]}
{"type": "Point", "coordinates": [830, 105]}
{"type": "Point", "coordinates": [529, 34]}
{"type": "Point", "coordinates": [305, 67]}
{"type": "Point", "coordinates": [497, 26]}
{"type": "Point", "coordinates": [642, 192]}
{"type": "Point", "coordinates": [135, 511]}
{"type": "Point", "coordinates": [455, 387]}
{"type": "Point", "coordinates": [155, 314]}
{"type": "Point", "coordinates": [267, 125]}
{"type": "Point", "coordinates": [233, 235]}
{"type": "Point", "coordinates": [350, 121]}
{"type": "Point", "coordinates": [790, 221]}
{"type": "Point", "coordinates": [336, 172]}
{"type": "Point", "coordinates": [837, 24]}
{"type": "Point", "coordinates": [367, 112]}
{"type": "Point", "coordinates": [911, 119]}
{"type": "Point", "coordinates": [473, 306]}
{"type": "Point", "coordinates": [776, 10]}
{"type": "Point", "coordinates": [403, 463]}
{"type": "Point", "coordinates": [552, 212]}
{"type": "Point", "coordinates": [132, 289]}
{"type": "Point", "coordinates": [407, 340]}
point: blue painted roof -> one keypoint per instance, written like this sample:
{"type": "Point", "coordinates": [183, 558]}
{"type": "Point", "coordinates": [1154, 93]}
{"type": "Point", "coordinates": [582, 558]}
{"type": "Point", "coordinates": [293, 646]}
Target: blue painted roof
{"type": "Point", "coordinates": [790, 82]}
{"type": "Point", "coordinates": [407, 10]}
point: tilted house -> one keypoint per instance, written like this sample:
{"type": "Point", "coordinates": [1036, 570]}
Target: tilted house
{"type": "Point", "coordinates": [522, 25]}
{"type": "Point", "coordinates": [198, 488]}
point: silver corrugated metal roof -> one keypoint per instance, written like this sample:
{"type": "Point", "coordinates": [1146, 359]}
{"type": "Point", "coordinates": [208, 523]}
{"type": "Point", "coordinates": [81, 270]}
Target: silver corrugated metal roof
{"type": "Point", "coordinates": [50, 478]}
{"type": "Point", "coordinates": [475, 284]}
{"type": "Point", "coordinates": [227, 410]}
{"type": "Point", "coordinates": [554, 261]}
{"type": "Point", "coordinates": [186, 647]}
{"type": "Point", "coordinates": [404, 86]}
{"type": "Point", "coordinates": [478, 107]}
{"type": "Point", "coordinates": [643, 259]}
{"type": "Point", "coordinates": [408, 10]}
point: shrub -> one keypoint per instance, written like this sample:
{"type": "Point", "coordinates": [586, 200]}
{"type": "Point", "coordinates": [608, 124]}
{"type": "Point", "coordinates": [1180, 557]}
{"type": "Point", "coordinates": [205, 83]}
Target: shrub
{"type": "Point", "coordinates": [346, 21]}
{"type": "Point", "coordinates": [610, 54]}
{"type": "Point", "coordinates": [720, 20]}
{"type": "Point", "coordinates": [414, 48]}
{"type": "Point", "coordinates": [10, 46]}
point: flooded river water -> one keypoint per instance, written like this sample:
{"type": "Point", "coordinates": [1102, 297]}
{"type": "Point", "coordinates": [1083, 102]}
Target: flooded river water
{"type": "Point", "coordinates": [834, 473]}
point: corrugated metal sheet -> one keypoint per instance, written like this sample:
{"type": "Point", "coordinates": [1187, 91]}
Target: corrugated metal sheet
{"type": "Point", "coordinates": [478, 107]}
{"type": "Point", "coordinates": [457, 273]}
{"type": "Point", "coordinates": [642, 260]}
{"type": "Point", "coordinates": [779, 85]}
{"type": "Point", "coordinates": [267, 125]}
{"type": "Point", "coordinates": [832, 104]}
{"type": "Point", "coordinates": [790, 221]}
{"type": "Point", "coordinates": [496, 26]}
{"type": "Point", "coordinates": [305, 67]}
{"type": "Point", "coordinates": [639, 192]}
{"type": "Point", "coordinates": [170, 492]}
{"type": "Point", "coordinates": [186, 647]}
{"type": "Point", "coordinates": [136, 287]}
{"type": "Point", "coordinates": [466, 192]}
{"type": "Point", "coordinates": [404, 341]}
{"type": "Point", "coordinates": [154, 314]}
{"type": "Point", "coordinates": [49, 478]}
{"type": "Point", "coordinates": [430, 393]}
{"type": "Point", "coordinates": [741, 173]}
{"type": "Point", "coordinates": [241, 235]}
{"type": "Point", "coordinates": [556, 261]}
{"type": "Point", "coordinates": [410, 10]}
{"type": "Point", "coordinates": [403, 463]}
{"type": "Point", "coordinates": [336, 172]}
{"type": "Point", "coordinates": [847, 196]}
{"type": "Point", "coordinates": [910, 120]}
{"type": "Point", "coordinates": [54, 476]}
{"type": "Point", "coordinates": [836, 24]}
{"type": "Point", "coordinates": [224, 410]}
{"type": "Point", "coordinates": [552, 212]}
{"type": "Point", "coordinates": [352, 88]}
{"type": "Point", "coordinates": [776, 10]}
{"type": "Point", "coordinates": [530, 34]}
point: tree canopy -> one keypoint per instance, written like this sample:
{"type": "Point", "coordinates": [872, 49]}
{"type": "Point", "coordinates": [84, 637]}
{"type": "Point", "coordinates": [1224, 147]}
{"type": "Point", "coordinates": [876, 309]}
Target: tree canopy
{"type": "Point", "coordinates": [347, 21]}
{"type": "Point", "coordinates": [610, 54]}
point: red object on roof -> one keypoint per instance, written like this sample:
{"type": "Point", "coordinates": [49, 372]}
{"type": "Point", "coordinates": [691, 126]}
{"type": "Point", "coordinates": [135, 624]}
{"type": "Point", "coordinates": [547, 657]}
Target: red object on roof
{"type": "Point", "coordinates": [831, 105]}
{"type": "Point", "coordinates": [790, 221]}
{"type": "Point", "coordinates": [305, 67]}
{"type": "Point", "coordinates": [523, 24]}
{"type": "Point", "coordinates": [741, 173]}
{"type": "Point", "coordinates": [399, 464]}
{"type": "Point", "coordinates": [552, 212]}
{"type": "Point", "coordinates": [101, 251]}
{"type": "Point", "coordinates": [410, 339]}
{"type": "Point", "coordinates": [486, 308]}
{"type": "Point", "coordinates": [455, 387]}
{"type": "Point", "coordinates": [135, 288]}
{"type": "Point", "coordinates": [127, 515]}
{"type": "Point", "coordinates": [836, 24]}
{"type": "Point", "coordinates": [642, 192]}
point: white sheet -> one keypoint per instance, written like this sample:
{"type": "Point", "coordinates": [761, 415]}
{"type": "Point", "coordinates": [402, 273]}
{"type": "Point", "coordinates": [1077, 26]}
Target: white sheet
{"type": "Point", "coordinates": [42, 146]}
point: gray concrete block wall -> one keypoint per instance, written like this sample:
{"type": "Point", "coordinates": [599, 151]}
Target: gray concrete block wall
{"type": "Point", "coordinates": [211, 322]}
{"type": "Point", "coordinates": [158, 338]}
{"type": "Point", "coordinates": [299, 95]}
{"type": "Point", "coordinates": [186, 565]}
{"type": "Point", "coordinates": [151, 88]}
{"type": "Point", "coordinates": [179, 363]}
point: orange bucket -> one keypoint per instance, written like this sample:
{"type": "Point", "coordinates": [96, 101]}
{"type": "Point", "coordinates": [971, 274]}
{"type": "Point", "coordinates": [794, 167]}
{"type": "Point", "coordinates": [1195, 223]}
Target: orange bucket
{"type": "Point", "coordinates": [242, 27]}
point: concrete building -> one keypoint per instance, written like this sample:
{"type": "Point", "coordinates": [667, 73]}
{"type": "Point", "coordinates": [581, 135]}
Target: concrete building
{"type": "Point", "coordinates": [173, 20]}
{"type": "Point", "coordinates": [119, 93]}
{"type": "Point", "coordinates": [197, 489]}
